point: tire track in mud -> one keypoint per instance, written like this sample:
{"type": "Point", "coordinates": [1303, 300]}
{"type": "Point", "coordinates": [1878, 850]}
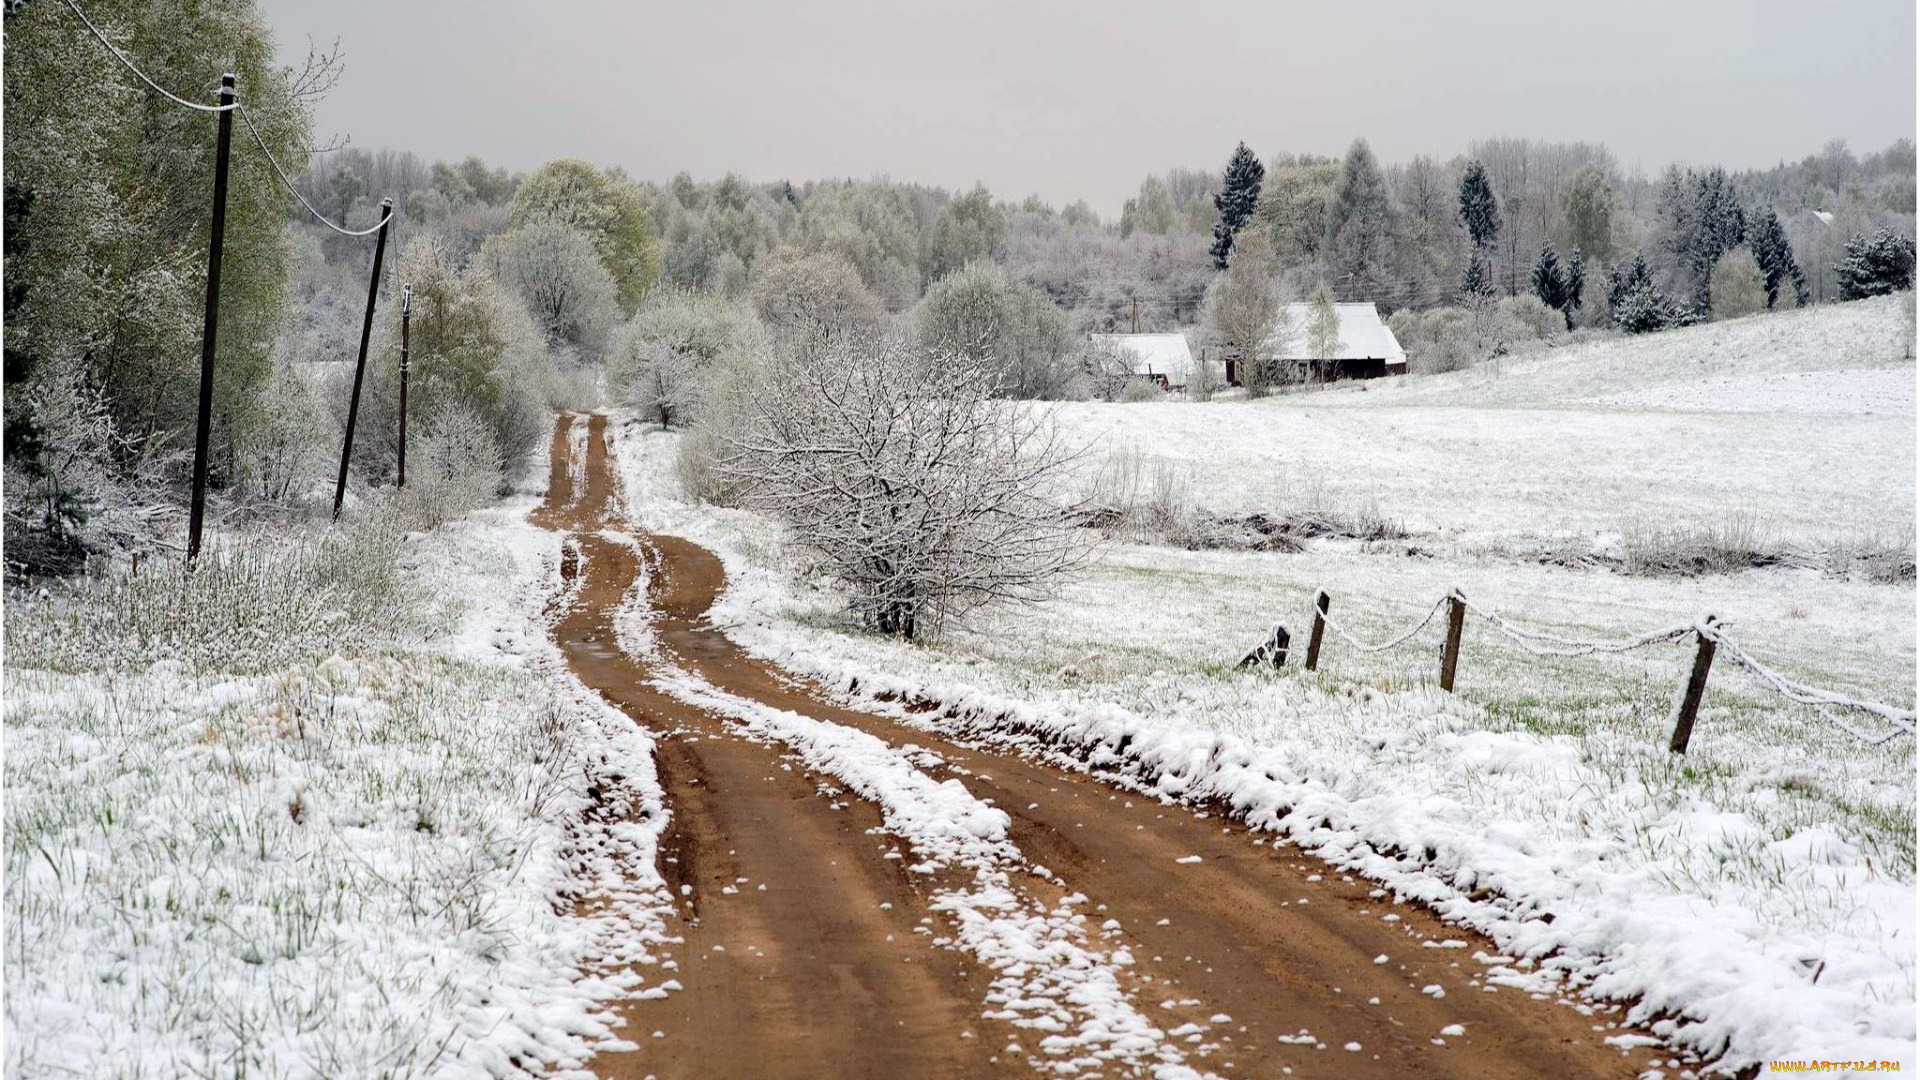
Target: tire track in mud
{"type": "Point", "coordinates": [1248, 944]}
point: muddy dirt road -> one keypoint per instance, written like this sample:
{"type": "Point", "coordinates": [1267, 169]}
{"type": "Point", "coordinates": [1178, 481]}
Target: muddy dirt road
{"type": "Point", "coordinates": [806, 951]}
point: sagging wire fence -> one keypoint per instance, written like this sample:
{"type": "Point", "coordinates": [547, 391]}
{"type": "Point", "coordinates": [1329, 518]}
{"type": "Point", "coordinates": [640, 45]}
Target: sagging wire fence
{"type": "Point", "coordinates": [230, 103]}
{"type": "Point", "coordinates": [1709, 634]}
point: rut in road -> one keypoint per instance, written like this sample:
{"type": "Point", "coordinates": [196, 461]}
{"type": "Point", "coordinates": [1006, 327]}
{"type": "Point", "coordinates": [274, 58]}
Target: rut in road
{"type": "Point", "coordinates": [1250, 945]}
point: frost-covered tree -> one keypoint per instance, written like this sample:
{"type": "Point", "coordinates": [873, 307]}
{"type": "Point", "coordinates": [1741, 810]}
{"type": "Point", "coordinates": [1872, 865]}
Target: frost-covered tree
{"type": "Point", "coordinates": [811, 301]}
{"type": "Point", "coordinates": [908, 480]}
{"type": "Point", "coordinates": [1636, 301]}
{"type": "Point", "coordinates": [473, 346]}
{"type": "Point", "coordinates": [1243, 307]}
{"type": "Point", "coordinates": [1576, 286]}
{"type": "Point", "coordinates": [1589, 213]}
{"type": "Point", "coordinates": [1239, 194]}
{"type": "Point", "coordinates": [970, 228]}
{"type": "Point", "coordinates": [1736, 287]}
{"type": "Point", "coordinates": [1875, 265]}
{"type": "Point", "coordinates": [1774, 253]}
{"type": "Point", "coordinates": [1549, 281]}
{"type": "Point", "coordinates": [1323, 328]}
{"type": "Point", "coordinates": [1360, 223]}
{"type": "Point", "coordinates": [106, 237]}
{"type": "Point", "coordinates": [980, 314]}
{"type": "Point", "coordinates": [1477, 279]}
{"type": "Point", "coordinates": [662, 362]}
{"type": "Point", "coordinates": [1479, 209]}
{"type": "Point", "coordinates": [1292, 207]}
{"type": "Point", "coordinates": [607, 208]}
{"type": "Point", "coordinates": [1150, 211]}
{"type": "Point", "coordinates": [556, 273]}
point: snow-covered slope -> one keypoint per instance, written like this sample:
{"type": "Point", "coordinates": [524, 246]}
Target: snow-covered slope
{"type": "Point", "coordinates": [1803, 419]}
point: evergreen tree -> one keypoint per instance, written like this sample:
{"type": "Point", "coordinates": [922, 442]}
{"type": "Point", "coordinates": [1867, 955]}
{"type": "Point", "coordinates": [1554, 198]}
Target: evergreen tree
{"type": "Point", "coordinates": [1875, 265]}
{"type": "Point", "coordinates": [1576, 285]}
{"type": "Point", "coordinates": [1477, 279]}
{"type": "Point", "coordinates": [1359, 221]}
{"type": "Point", "coordinates": [1719, 225]}
{"type": "Point", "coordinates": [1549, 282]}
{"type": "Point", "coordinates": [1774, 253]}
{"type": "Point", "coordinates": [1479, 210]}
{"type": "Point", "coordinates": [1239, 193]}
{"type": "Point", "coordinates": [1638, 304]}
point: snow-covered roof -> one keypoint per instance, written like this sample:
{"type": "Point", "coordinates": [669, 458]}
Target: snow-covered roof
{"type": "Point", "coordinates": [1155, 354]}
{"type": "Point", "coordinates": [1363, 335]}
{"type": "Point", "coordinates": [1824, 217]}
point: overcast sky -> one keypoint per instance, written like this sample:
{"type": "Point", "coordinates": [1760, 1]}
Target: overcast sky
{"type": "Point", "coordinates": [1081, 100]}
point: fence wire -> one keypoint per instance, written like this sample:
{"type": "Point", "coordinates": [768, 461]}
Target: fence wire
{"type": "Point", "coordinates": [1541, 643]}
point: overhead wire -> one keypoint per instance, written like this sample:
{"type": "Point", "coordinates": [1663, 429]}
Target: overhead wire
{"type": "Point", "coordinates": [231, 106]}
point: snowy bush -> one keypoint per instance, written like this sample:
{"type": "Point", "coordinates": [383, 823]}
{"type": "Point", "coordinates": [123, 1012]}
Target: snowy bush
{"type": "Point", "coordinates": [907, 480]}
{"type": "Point", "coordinates": [1735, 287]}
{"type": "Point", "coordinates": [977, 311]}
{"type": "Point", "coordinates": [556, 273]}
{"type": "Point", "coordinates": [1528, 318]}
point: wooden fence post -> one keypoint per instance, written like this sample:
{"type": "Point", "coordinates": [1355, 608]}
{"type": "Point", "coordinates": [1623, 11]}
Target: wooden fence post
{"type": "Point", "coordinates": [360, 366]}
{"type": "Point", "coordinates": [1321, 601]}
{"type": "Point", "coordinates": [1686, 703]}
{"type": "Point", "coordinates": [197, 507]}
{"type": "Point", "coordinates": [1450, 653]}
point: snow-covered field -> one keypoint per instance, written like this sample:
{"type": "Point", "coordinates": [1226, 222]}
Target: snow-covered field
{"type": "Point", "coordinates": [1803, 420]}
{"type": "Point", "coordinates": [342, 833]}
{"type": "Point", "coordinates": [1754, 899]}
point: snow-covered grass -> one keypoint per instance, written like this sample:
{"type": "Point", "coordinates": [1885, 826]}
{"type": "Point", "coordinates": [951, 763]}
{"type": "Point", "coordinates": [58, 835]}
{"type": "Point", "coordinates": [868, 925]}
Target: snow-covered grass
{"type": "Point", "coordinates": [320, 810]}
{"type": "Point", "coordinates": [1755, 897]}
{"type": "Point", "coordinates": [1803, 420]}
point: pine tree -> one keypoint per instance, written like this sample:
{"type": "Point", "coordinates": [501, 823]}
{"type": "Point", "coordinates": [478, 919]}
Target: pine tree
{"type": "Point", "coordinates": [1359, 221]}
{"type": "Point", "coordinates": [1774, 253]}
{"type": "Point", "coordinates": [1719, 225]}
{"type": "Point", "coordinates": [1638, 305]}
{"type": "Point", "coordinates": [1479, 210]}
{"type": "Point", "coordinates": [1549, 283]}
{"type": "Point", "coordinates": [1875, 265]}
{"type": "Point", "coordinates": [1576, 280]}
{"type": "Point", "coordinates": [1477, 280]}
{"type": "Point", "coordinates": [1239, 192]}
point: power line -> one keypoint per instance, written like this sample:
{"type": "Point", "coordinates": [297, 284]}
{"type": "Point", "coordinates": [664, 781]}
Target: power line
{"type": "Point", "coordinates": [246, 115]}
{"type": "Point", "coordinates": [122, 57]}
{"type": "Point", "coordinates": [281, 173]}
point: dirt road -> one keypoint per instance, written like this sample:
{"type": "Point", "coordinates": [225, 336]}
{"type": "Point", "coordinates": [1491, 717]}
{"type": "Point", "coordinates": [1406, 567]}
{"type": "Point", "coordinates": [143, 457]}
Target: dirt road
{"type": "Point", "coordinates": [821, 972]}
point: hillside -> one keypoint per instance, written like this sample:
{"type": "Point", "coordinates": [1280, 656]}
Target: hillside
{"type": "Point", "coordinates": [1682, 428]}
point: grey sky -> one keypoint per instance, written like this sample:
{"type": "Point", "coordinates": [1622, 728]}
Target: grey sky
{"type": "Point", "coordinates": [1081, 100]}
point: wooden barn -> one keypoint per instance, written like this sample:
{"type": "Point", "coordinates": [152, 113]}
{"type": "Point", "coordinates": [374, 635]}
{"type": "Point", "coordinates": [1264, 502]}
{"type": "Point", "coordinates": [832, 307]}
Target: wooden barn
{"type": "Point", "coordinates": [1162, 358]}
{"type": "Point", "coordinates": [1368, 349]}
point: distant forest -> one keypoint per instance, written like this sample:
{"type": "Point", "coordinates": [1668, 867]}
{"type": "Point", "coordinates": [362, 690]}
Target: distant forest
{"type": "Point", "coordinates": [1154, 261]}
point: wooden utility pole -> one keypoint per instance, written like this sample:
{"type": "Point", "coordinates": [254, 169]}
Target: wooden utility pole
{"type": "Point", "coordinates": [406, 321]}
{"type": "Point", "coordinates": [1450, 653]}
{"type": "Point", "coordinates": [1136, 314]}
{"type": "Point", "coordinates": [197, 511]}
{"type": "Point", "coordinates": [1686, 706]}
{"type": "Point", "coordinates": [360, 366]}
{"type": "Point", "coordinates": [1321, 601]}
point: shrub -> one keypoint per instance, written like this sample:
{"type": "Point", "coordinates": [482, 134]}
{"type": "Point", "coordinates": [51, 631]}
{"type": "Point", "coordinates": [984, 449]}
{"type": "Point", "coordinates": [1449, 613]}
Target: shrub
{"type": "Point", "coordinates": [1137, 391]}
{"type": "Point", "coordinates": [1528, 318]}
{"type": "Point", "coordinates": [1735, 286]}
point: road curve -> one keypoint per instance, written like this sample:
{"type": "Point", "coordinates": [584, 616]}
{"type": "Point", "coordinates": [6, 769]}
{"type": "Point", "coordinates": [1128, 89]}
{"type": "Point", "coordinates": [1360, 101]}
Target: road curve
{"type": "Point", "coordinates": [1251, 943]}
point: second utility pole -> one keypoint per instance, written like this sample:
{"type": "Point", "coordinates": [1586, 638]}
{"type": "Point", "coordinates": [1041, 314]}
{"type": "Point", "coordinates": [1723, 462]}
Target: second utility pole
{"type": "Point", "coordinates": [360, 366]}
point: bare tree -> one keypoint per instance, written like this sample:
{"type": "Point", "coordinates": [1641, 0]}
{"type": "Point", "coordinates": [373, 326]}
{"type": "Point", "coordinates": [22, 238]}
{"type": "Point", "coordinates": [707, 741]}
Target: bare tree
{"type": "Point", "coordinates": [909, 480]}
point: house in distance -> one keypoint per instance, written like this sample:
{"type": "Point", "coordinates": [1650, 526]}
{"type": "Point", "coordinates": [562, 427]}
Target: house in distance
{"type": "Point", "coordinates": [1367, 349]}
{"type": "Point", "coordinates": [1162, 358]}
